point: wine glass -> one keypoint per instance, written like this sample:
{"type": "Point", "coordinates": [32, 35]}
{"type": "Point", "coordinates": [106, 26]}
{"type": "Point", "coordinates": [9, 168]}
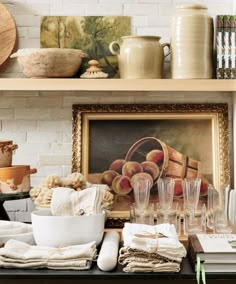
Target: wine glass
{"type": "Point", "coordinates": [192, 214]}
{"type": "Point", "coordinates": [141, 187]}
{"type": "Point", "coordinates": [191, 192]}
{"type": "Point", "coordinates": [165, 188]}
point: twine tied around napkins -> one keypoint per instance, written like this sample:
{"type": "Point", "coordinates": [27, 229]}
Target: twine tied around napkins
{"type": "Point", "coordinates": [150, 235]}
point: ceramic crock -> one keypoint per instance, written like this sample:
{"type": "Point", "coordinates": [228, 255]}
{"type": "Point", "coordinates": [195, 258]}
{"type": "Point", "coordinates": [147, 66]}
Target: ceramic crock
{"type": "Point", "coordinates": [191, 43]}
{"type": "Point", "coordinates": [15, 179]}
{"type": "Point", "coordinates": [6, 149]}
{"type": "Point", "coordinates": [139, 57]}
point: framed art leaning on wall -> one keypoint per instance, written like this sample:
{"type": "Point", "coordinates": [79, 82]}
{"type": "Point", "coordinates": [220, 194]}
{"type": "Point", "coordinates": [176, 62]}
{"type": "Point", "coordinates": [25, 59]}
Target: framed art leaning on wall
{"type": "Point", "coordinates": [193, 140]}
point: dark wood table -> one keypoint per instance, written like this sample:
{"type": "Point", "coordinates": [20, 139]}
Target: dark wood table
{"type": "Point", "coordinates": [94, 275]}
{"type": "Point", "coordinates": [10, 196]}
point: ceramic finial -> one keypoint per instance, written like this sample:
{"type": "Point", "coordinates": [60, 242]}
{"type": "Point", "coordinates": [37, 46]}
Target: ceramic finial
{"type": "Point", "coordinates": [93, 72]}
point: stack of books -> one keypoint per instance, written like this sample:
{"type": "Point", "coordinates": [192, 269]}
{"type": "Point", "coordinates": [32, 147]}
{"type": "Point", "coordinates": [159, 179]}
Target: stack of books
{"type": "Point", "coordinates": [226, 46]}
{"type": "Point", "coordinates": [230, 204]}
{"type": "Point", "coordinates": [212, 253]}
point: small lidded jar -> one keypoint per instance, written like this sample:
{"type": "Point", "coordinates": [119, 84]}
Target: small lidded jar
{"type": "Point", "coordinates": [192, 43]}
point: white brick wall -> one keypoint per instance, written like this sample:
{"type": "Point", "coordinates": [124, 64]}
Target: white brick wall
{"type": "Point", "coordinates": [40, 122]}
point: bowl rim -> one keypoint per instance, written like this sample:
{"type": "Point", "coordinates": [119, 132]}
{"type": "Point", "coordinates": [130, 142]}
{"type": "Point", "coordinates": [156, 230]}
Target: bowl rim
{"type": "Point", "coordinates": [13, 225]}
{"type": "Point", "coordinates": [37, 213]}
{"type": "Point", "coordinates": [28, 232]}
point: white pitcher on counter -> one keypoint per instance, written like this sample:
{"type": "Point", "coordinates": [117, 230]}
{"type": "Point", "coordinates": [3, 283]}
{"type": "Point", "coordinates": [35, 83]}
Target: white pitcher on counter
{"type": "Point", "coordinates": [140, 57]}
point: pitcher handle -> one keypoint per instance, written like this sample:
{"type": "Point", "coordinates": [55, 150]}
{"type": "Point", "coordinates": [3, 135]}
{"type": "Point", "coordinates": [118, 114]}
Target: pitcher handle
{"type": "Point", "coordinates": [111, 47]}
{"type": "Point", "coordinates": [31, 171]}
{"type": "Point", "coordinates": [11, 147]}
{"type": "Point", "coordinates": [166, 44]}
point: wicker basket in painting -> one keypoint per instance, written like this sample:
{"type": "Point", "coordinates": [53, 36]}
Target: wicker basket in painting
{"type": "Point", "coordinates": [175, 164]}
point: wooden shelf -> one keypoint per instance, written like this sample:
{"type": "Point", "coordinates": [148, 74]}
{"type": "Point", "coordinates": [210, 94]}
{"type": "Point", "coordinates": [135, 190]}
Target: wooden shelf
{"type": "Point", "coordinates": [72, 84]}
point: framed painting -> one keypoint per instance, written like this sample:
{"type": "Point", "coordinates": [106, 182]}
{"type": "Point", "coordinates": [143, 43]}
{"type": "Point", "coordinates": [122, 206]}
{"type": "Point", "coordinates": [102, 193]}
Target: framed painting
{"type": "Point", "coordinates": [192, 138]}
{"type": "Point", "coordinates": [91, 34]}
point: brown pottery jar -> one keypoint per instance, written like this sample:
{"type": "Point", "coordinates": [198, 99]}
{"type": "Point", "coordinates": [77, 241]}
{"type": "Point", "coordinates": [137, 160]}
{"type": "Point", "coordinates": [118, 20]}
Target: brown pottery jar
{"type": "Point", "coordinates": [6, 149]}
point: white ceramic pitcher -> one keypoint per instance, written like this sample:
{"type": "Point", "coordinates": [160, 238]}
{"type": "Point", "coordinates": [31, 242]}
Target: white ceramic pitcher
{"type": "Point", "coordinates": [140, 57]}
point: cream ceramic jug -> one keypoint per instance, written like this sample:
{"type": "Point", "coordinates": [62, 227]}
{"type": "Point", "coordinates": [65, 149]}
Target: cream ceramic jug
{"type": "Point", "coordinates": [140, 57]}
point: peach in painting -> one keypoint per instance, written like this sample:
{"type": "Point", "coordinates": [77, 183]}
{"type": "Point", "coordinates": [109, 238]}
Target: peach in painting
{"type": "Point", "coordinates": [156, 156]}
{"type": "Point", "coordinates": [121, 185]}
{"type": "Point", "coordinates": [108, 176]}
{"type": "Point", "coordinates": [117, 165]}
{"type": "Point", "coordinates": [131, 168]}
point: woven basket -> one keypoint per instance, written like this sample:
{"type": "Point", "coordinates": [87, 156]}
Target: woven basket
{"type": "Point", "coordinates": [175, 164]}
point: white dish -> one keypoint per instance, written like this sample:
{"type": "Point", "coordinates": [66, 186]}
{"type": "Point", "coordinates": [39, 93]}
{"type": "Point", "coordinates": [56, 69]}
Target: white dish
{"type": "Point", "coordinates": [25, 237]}
{"type": "Point", "coordinates": [13, 227]}
{"type": "Point", "coordinates": [60, 231]}
{"type": "Point", "coordinates": [23, 234]}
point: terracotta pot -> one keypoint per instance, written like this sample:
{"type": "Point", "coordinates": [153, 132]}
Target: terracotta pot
{"type": "Point", "coordinates": [6, 150]}
{"type": "Point", "coordinates": [15, 179]}
{"type": "Point", "coordinates": [140, 57]}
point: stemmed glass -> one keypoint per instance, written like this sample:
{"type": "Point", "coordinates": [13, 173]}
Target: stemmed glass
{"type": "Point", "coordinates": [191, 193]}
{"type": "Point", "coordinates": [165, 188]}
{"type": "Point", "coordinates": [141, 187]}
{"type": "Point", "coordinates": [217, 218]}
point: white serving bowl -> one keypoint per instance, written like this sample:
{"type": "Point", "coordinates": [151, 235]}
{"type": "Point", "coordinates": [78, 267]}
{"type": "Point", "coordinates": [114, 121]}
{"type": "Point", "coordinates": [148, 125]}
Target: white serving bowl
{"type": "Point", "coordinates": [16, 231]}
{"type": "Point", "coordinates": [60, 231]}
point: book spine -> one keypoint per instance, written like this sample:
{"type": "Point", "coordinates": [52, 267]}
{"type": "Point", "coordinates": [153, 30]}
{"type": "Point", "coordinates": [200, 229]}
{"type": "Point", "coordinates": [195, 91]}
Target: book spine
{"type": "Point", "coordinates": [226, 46]}
{"type": "Point", "coordinates": [219, 47]}
{"type": "Point", "coordinates": [194, 247]}
{"type": "Point", "coordinates": [233, 46]}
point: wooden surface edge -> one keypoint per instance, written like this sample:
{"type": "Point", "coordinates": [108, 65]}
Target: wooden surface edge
{"type": "Point", "coordinates": [75, 84]}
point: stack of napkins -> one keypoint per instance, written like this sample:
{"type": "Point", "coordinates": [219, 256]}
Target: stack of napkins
{"type": "Point", "coordinates": [151, 248]}
{"type": "Point", "coordinates": [16, 254]}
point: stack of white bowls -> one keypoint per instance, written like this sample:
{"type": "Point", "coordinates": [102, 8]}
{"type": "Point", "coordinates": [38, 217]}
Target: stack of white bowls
{"type": "Point", "coordinates": [17, 231]}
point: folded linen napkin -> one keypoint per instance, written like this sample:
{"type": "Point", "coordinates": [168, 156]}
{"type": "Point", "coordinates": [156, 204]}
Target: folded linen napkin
{"type": "Point", "coordinates": [127, 255]}
{"type": "Point", "coordinates": [139, 261]}
{"type": "Point", "coordinates": [16, 254]}
{"type": "Point", "coordinates": [145, 237]}
{"type": "Point", "coordinates": [68, 202]}
{"type": "Point", "coordinates": [135, 260]}
{"type": "Point", "coordinates": [152, 267]}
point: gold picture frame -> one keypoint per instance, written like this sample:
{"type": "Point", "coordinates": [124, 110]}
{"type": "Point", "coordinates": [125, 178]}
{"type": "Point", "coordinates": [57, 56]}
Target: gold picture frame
{"type": "Point", "coordinates": [103, 133]}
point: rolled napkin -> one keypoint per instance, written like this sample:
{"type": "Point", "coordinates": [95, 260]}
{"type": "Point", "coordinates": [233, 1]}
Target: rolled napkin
{"type": "Point", "coordinates": [68, 202]}
{"type": "Point", "coordinates": [161, 239]}
{"type": "Point", "coordinates": [16, 254]}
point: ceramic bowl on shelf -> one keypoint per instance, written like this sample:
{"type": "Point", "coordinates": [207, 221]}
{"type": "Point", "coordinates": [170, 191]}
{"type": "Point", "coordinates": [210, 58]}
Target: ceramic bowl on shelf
{"type": "Point", "coordinates": [49, 62]}
{"type": "Point", "coordinates": [60, 231]}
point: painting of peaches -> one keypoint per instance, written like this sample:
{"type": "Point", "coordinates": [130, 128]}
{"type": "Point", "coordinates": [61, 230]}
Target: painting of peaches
{"type": "Point", "coordinates": [177, 141]}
